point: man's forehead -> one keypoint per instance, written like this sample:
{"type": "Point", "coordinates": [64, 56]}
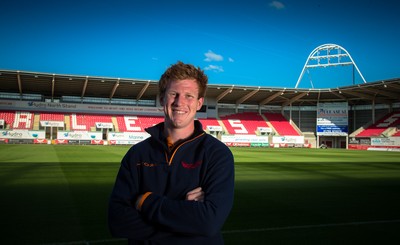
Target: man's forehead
{"type": "Point", "coordinates": [183, 84]}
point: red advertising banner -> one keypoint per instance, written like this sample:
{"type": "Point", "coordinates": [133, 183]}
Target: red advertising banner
{"type": "Point", "coordinates": [97, 142]}
{"type": "Point", "coordinates": [40, 141]}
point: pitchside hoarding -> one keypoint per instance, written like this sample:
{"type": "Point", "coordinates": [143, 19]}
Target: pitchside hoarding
{"type": "Point", "coordinates": [245, 140]}
{"type": "Point", "coordinates": [117, 138]}
{"type": "Point", "coordinates": [332, 119]}
{"type": "Point", "coordinates": [390, 141]}
{"type": "Point", "coordinates": [288, 140]}
{"type": "Point", "coordinates": [22, 134]}
{"type": "Point", "coordinates": [79, 135]}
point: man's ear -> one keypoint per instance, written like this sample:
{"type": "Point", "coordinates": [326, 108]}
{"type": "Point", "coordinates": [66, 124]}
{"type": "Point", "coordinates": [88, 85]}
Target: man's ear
{"type": "Point", "coordinates": [200, 103]}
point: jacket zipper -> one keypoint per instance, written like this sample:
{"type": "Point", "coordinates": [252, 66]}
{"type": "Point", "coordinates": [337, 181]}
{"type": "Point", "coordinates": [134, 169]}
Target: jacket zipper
{"type": "Point", "coordinates": [176, 149]}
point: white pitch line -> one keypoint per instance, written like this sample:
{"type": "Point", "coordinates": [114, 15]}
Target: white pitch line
{"type": "Point", "coordinates": [252, 230]}
{"type": "Point", "coordinates": [313, 226]}
{"type": "Point", "coordinates": [87, 242]}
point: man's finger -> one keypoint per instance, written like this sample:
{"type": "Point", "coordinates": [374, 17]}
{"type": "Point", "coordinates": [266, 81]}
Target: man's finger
{"type": "Point", "coordinates": [198, 189]}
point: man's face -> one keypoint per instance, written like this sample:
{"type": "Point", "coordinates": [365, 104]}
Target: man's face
{"type": "Point", "coordinates": [181, 103]}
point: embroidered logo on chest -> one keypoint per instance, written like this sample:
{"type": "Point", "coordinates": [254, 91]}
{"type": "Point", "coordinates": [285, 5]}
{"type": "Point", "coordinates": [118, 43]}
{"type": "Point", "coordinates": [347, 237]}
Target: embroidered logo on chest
{"type": "Point", "coordinates": [146, 164]}
{"type": "Point", "coordinates": [191, 165]}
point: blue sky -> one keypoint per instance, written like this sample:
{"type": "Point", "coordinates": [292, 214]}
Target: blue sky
{"type": "Point", "coordinates": [247, 42]}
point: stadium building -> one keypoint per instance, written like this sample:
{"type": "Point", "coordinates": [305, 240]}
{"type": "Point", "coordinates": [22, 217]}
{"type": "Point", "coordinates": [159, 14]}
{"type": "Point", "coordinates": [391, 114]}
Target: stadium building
{"type": "Point", "coordinates": [45, 108]}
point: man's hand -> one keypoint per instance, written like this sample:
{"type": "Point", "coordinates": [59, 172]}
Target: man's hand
{"type": "Point", "coordinates": [195, 195]}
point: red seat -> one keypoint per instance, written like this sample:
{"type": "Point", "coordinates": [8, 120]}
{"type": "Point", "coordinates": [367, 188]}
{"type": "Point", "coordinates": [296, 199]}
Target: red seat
{"type": "Point", "coordinates": [243, 123]}
{"type": "Point", "coordinates": [281, 124]}
{"type": "Point", "coordinates": [376, 129]}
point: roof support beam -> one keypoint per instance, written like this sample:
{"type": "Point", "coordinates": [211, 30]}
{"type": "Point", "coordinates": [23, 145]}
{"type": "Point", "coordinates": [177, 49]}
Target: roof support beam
{"type": "Point", "coordinates": [114, 89]}
{"type": "Point", "coordinates": [53, 84]}
{"type": "Point", "coordinates": [19, 83]}
{"type": "Point", "coordinates": [382, 92]}
{"type": "Point", "coordinates": [271, 98]}
{"type": "Point", "coordinates": [84, 87]}
{"type": "Point", "coordinates": [339, 95]}
{"type": "Point", "coordinates": [223, 94]}
{"type": "Point", "coordinates": [139, 96]}
{"type": "Point", "coordinates": [368, 97]}
{"type": "Point", "coordinates": [393, 85]}
{"type": "Point", "coordinates": [297, 97]}
{"type": "Point", "coordinates": [247, 96]}
{"type": "Point", "coordinates": [358, 94]}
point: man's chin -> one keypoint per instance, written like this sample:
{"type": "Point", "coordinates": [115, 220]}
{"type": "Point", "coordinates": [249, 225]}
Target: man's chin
{"type": "Point", "coordinates": [177, 124]}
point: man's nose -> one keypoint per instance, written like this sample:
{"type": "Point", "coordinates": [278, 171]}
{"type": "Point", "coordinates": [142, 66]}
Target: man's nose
{"type": "Point", "coordinates": [177, 99]}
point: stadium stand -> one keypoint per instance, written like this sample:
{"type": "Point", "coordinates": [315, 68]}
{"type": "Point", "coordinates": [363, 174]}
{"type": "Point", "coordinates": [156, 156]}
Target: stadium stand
{"type": "Point", "coordinates": [148, 121]}
{"type": "Point", "coordinates": [378, 128]}
{"type": "Point", "coordinates": [17, 119]}
{"type": "Point", "coordinates": [51, 116]}
{"type": "Point", "coordinates": [87, 122]}
{"type": "Point", "coordinates": [209, 122]}
{"type": "Point", "coordinates": [281, 124]}
{"type": "Point", "coordinates": [121, 124]}
{"type": "Point", "coordinates": [243, 123]}
{"type": "Point", "coordinates": [8, 117]}
{"type": "Point", "coordinates": [237, 123]}
{"type": "Point", "coordinates": [136, 123]}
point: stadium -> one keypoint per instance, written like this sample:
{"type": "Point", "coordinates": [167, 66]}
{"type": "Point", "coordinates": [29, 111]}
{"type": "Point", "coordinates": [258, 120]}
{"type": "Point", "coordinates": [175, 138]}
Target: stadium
{"type": "Point", "coordinates": [68, 109]}
{"type": "Point", "coordinates": [63, 136]}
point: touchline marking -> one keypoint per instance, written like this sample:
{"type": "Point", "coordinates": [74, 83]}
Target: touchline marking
{"type": "Point", "coordinates": [250, 230]}
{"type": "Point", "coordinates": [87, 242]}
{"type": "Point", "coordinates": [313, 226]}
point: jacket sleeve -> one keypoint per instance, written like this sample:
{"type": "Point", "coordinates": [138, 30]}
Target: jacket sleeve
{"type": "Point", "coordinates": [123, 219]}
{"type": "Point", "coordinates": [198, 218]}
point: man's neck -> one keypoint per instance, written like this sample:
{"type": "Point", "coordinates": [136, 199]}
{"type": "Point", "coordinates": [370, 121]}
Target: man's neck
{"type": "Point", "coordinates": [176, 134]}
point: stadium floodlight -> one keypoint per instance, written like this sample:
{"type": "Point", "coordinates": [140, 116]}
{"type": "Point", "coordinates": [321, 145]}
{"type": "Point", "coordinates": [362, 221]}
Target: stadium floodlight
{"type": "Point", "coordinates": [327, 55]}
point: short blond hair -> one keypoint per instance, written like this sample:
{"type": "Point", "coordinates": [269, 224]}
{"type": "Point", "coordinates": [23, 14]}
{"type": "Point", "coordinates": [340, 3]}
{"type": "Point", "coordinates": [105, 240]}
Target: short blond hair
{"type": "Point", "coordinates": [181, 71]}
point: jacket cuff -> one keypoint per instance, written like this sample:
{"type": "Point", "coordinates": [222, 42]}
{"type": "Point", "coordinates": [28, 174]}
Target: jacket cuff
{"type": "Point", "coordinates": [140, 200]}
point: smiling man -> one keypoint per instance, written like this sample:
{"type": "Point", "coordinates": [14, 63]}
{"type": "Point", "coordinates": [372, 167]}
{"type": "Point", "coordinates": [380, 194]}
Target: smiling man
{"type": "Point", "coordinates": [176, 187]}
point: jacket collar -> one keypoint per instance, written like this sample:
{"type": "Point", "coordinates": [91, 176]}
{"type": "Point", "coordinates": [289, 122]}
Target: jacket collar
{"type": "Point", "coordinates": [157, 131]}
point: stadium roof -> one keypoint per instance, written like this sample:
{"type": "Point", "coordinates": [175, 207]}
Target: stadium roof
{"type": "Point", "coordinates": [58, 85]}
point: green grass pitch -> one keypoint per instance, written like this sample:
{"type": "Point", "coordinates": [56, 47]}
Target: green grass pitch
{"type": "Point", "coordinates": [57, 194]}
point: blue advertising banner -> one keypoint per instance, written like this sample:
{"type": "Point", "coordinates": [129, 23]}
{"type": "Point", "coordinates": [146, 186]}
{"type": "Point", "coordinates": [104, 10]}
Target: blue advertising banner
{"type": "Point", "coordinates": [332, 119]}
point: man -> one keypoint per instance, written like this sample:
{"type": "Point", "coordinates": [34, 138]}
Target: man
{"type": "Point", "coordinates": [176, 187]}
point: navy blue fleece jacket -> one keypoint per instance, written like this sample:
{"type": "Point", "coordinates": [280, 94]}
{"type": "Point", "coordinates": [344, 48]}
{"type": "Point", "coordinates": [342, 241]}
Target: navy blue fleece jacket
{"type": "Point", "coordinates": [165, 176]}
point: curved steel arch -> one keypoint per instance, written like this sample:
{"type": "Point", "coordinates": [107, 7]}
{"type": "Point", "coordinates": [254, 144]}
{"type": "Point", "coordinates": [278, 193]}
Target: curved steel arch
{"type": "Point", "coordinates": [332, 55]}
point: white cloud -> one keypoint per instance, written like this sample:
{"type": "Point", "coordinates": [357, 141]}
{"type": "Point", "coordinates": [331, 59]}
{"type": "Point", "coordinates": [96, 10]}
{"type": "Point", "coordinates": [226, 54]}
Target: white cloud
{"type": "Point", "coordinates": [231, 60]}
{"type": "Point", "coordinates": [214, 68]}
{"type": "Point", "coordinates": [277, 5]}
{"type": "Point", "coordinates": [211, 56]}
